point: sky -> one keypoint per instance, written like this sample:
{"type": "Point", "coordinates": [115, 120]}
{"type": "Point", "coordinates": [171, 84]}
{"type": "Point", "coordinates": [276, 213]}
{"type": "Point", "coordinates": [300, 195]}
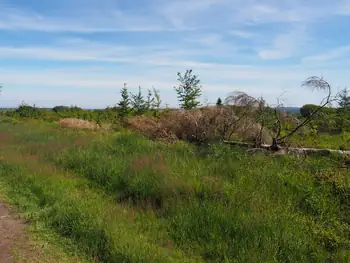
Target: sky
{"type": "Point", "coordinates": [81, 52]}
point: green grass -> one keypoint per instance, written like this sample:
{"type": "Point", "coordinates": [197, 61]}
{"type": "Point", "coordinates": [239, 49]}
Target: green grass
{"type": "Point", "coordinates": [123, 198]}
{"type": "Point", "coordinates": [337, 141]}
{"type": "Point", "coordinates": [42, 244]}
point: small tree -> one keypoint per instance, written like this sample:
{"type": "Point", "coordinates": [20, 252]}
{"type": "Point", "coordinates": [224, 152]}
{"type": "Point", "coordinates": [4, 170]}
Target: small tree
{"type": "Point", "coordinates": [307, 109]}
{"type": "Point", "coordinates": [150, 100]}
{"type": "Point", "coordinates": [124, 103]}
{"type": "Point", "coordinates": [138, 102]}
{"type": "Point", "coordinates": [219, 102]}
{"type": "Point", "coordinates": [189, 90]}
{"type": "Point", "coordinates": [26, 111]}
{"type": "Point", "coordinates": [61, 108]}
{"type": "Point", "coordinates": [344, 99]}
{"type": "Point", "coordinates": [156, 102]}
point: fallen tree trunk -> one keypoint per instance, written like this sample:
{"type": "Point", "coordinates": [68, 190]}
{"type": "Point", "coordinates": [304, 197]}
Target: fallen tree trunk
{"type": "Point", "coordinates": [307, 151]}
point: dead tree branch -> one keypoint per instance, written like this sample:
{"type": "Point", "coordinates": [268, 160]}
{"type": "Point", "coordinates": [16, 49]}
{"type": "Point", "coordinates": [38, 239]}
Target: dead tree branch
{"type": "Point", "coordinates": [316, 83]}
{"type": "Point", "coordinates": [244, 104]}
{"type": "Point", "coordinates": [256, 109]}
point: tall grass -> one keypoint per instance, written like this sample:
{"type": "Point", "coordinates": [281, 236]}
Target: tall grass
{"type": "Point", "coordinates": [90, 220]}
{"type": "Point", "coordinates": [125, 198]}
{"type": "Point", "coordinates": [223, 205]}
{"type": "Point", "coordinates": [339, 141]}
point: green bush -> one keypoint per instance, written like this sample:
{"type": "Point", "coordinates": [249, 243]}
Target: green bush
{"type": "Point", "coordinates": [25, 111]}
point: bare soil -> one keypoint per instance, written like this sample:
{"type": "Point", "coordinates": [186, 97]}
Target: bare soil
{"type": "Point", "coordinates": [14, 243]}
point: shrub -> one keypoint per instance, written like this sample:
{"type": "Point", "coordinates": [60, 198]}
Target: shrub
{"type": "Point", "coordinates": [26, 111]}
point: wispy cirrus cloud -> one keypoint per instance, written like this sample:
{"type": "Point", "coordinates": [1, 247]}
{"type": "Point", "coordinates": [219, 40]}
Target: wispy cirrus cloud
{"type": "Point", "coordinates": [285, 45]}
{"type": "Point", "coordinates": [106, 16]}
{"type": "Point", "coordinates": [81, 22]}
{"type": "Point", "coordinates": [80, 51]}
{"type": "Point", "coordinates": [242, 34]}
{"type": "Point", "coordinates": [328, 55]}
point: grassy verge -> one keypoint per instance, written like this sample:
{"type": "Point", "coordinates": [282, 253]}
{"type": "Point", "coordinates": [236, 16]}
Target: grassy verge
{"type": "Point", "coordinates": [40, 243]}
{"type": "Point", "coordinates": [128, 199]}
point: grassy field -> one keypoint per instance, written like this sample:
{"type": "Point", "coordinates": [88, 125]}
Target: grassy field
{"type": "Point", "coordinates": [339, 141]}
{"type": "Point", "coordinates": [123, 198]}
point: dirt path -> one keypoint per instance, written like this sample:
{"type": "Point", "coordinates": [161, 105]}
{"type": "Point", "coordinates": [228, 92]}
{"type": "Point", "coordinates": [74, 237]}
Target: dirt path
{"type": "Point", "coordinates": [19, 246]}
{"type": "Point", "coordinates": [11, 232]}
{"type": "Point", "coordinates": [14, 241]}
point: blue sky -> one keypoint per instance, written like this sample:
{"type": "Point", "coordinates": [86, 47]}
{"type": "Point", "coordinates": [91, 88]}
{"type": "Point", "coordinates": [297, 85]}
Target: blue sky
{"type": "Point", "coordinates": [81, 52]}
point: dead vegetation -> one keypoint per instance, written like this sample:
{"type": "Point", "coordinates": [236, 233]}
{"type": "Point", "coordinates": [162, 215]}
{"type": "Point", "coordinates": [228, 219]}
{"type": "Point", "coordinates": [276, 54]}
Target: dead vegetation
{"type": "Point", "coordinates": [242, 119]}
{"type": "Point", "coordinates": [198, 125]}
{"type": "Point", "coordinates": [78, 124]}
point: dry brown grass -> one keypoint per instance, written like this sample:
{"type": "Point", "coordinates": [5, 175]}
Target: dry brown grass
{"type": "Point", "coordinates": [199, 125]}
{"type": "Point", "coordinates": [78, 124]}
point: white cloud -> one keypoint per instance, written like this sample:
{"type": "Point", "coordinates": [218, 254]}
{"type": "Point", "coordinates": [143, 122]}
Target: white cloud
{"type": "Point", "coordinates": [170, 55]}
{"type": "Point", "coordinates": [259, 13]}
{"type": "Point", "coordinates": [344, 8]}
{"type": "Point", "coordinates": [232, 14]}
{"type": "Point", "coordinates": [172, 59]}
{"type": "Point", "coordinates": [211, 40]}
{"type": "Point", "coordinates": [285, 45]}
{"type": "Point", "coordinates": [179, 13]}
{"type": "Point", "coordinates": [242, 34]}
{"type": "Point", "coordinates": [86, 78]}
{"type": "Point", "coordinates": [83, 22]}
{"type": "Point", "coordinates": [92, 16]}
{"type": "Point", "coordinates": [81, 50]}
{"type": "Point", "coordinates": [62, 54]}
{"type": "Point", "coordinates": [328, 55]}
{"type": "Point", "coordinates": [223, 35]}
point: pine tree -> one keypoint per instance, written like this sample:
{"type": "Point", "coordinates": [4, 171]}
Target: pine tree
{"type": "Point", "coordinates": [124, 103]}
{"type": "Point", "coordinates": [150, 100]}
{"type": "Point", "coordinates": [156, 103]}
{"type": "Point", "coordinates": [219, 102]}
{"type": "Point", "coordinates": [138, 102]}
{"type": "Point", "coordinates": [344, 103]}
{"type": "Point", "coordinates": [189, 90]}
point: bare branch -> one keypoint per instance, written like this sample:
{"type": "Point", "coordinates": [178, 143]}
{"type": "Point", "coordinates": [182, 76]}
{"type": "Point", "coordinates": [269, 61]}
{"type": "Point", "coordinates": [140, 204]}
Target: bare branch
{"type": "Point", "coordinates": [277, 124]}
{"type": "Point", "coordinates": [241, 99]}
{"type": "Point", "coordinates": [316, 83]}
